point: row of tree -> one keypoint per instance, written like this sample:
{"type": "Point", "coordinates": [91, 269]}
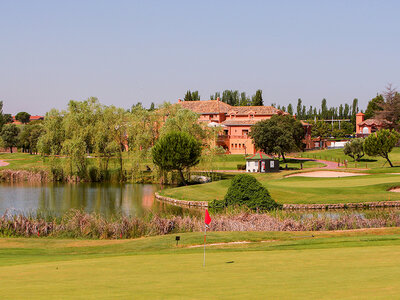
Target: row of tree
{"type": "Point", "coordinates": [379, 144]}
{"type": "Point", "coordinates": [231, 97]}
{"type": "Point", "coordinates": [89, 129]}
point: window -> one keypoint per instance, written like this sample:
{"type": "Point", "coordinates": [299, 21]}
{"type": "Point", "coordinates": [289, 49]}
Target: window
{"type": "Point", "coordinates": [245, 132]}
{"type": "Point", "coordinates": [235, 145]}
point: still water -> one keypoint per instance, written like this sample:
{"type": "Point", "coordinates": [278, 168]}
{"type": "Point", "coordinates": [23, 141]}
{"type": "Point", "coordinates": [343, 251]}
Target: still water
{"type": "Point", "coordinates": [104, 198]}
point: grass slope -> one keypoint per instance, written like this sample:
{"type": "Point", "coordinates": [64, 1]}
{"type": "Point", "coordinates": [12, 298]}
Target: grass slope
{"type": "Point", "coordinates": [302, 190]}
{"type": "Point", "coordinates": [348, 264]}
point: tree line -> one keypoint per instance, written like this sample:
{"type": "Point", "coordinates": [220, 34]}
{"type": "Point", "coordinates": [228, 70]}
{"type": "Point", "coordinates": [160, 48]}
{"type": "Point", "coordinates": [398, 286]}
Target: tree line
{"type": "Point", "coordinates": [83, 140]}
{"type": "Point", "coordinates": [231, 97]}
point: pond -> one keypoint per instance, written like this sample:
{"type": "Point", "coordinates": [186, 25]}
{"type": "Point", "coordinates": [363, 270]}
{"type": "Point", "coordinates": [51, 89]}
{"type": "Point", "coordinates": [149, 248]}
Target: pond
{"type": "Point", "coordinates": [104, 198]}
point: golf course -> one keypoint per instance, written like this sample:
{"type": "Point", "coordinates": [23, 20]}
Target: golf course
{"type": "Point", "coordinates": [371, 184]}
{"type": "Point", "coordinates": [301, 265]}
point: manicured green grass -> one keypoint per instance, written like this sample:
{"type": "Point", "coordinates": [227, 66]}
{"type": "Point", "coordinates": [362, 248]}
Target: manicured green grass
{"type": "Point", "coordinates": [230, 162]}
{"type": "Point", "coordinates": [366, 161]}
{"type": "Point", "coordinates": [23, 161]}
{"type": "Point", "coordinates": [302, 189]}
{"type": "Point", "coordinates": [330, 265]}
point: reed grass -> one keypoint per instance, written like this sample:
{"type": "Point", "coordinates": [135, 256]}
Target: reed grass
{"type": "Point", "coordinates": [79, 224]}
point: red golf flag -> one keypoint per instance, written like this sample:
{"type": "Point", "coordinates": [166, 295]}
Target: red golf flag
{"type": "Point", "coordinates": [207, 218]}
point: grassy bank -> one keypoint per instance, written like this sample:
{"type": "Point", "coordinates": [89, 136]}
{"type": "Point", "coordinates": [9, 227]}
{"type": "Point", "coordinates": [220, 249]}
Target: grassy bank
{"type": "Point", "coordinates": [329, 265]}
{"type": "Point", "coordinates": [302, 190]}
{"type": "Point", "coordinates": [25, 161]}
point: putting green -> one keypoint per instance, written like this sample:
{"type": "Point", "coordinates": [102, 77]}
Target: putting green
{"type": "Point", "coordinates": [355, 264]}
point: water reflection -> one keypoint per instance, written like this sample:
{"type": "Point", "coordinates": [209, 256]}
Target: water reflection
{"type": "Point", "coordinates": [104, 198]}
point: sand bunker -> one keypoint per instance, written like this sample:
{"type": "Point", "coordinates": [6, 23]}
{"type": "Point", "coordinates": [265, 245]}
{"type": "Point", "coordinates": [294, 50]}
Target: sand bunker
{"type": "Point", "coordinates": [395, 190]}
{"type": "Point", "coordinates": [326, 174]}
{"type": "Point", "coordinates": [3, 163]}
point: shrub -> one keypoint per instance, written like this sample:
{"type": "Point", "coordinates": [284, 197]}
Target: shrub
{"type": "Point", "coordinates": [354, 149]}
{"type": "Point", "coordinates": [241, 167]}
{"type": "Point", "coordinates": [245, 190]}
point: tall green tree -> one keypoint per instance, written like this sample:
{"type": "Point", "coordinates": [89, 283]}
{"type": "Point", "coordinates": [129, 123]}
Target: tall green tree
{"type": "Point", "coordinates": [257, 99]}
{"type": "Point", "coordinates": [354, 112]}
{"type": "Point", "coordinates": [176, 151]}
{"type": "Point", "coordinates": [195, 96]}
{"type": "Point", "coordinates": [2, 117]}
{"type": "Point", "coordinates": [50, 142]}
{"type": "Point", "coordinates": [391, 107]}
{"type": "Point", "coordinates": [324, 109]}
{"type": "Point", "coordinates": [374, 105]}
{"type": "Point", "coordinates": [9, 135]}
{"type": "Point", "coordinates": [290, 109]}
{"type": "Point", "coordinates": [279, 135]}
{"type": "Point", "coordinates": [244, 100]}
{"type": "Point", "coordinates": [23, 117]}
{"type": "Point", "coordinates": [188, 96]}
{"type": "Point", "coordinates": [298, 110]}
{"type": "Point", "coordinates": [320, 129]}
{"type": "Point", "coordinates": [29, 137]}
{"type": "Point", "coordinates": [381, 143]}
{"type": "Point", "coordinates": [354, 149]}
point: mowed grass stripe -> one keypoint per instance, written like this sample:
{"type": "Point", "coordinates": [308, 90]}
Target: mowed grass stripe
{"type": "Point", "coordinates": [368, 270]}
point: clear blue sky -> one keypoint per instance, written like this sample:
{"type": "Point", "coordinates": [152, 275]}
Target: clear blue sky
{"type": "Point", "coordinates": [128, 51]}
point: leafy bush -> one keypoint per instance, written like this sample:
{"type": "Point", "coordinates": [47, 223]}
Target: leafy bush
{"type": "Point", "coordinates": [245, 190]}
{"type": "Point", "coordinates": [241, 167]}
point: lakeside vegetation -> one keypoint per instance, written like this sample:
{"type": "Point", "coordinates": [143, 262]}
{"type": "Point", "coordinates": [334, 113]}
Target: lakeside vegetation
{"type": "Point", "coordinates": [81, 225]}
{"type": "Point", "coordinates": [276, 264]}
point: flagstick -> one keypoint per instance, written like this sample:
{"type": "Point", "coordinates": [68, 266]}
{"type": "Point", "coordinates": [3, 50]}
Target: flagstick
{"type": "Point", "coordinates": [205, 234]}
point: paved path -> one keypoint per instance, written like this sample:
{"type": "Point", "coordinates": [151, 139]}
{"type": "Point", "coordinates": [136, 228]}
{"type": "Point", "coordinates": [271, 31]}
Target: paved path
{"type": "Point", "coordinates": [328, 164]}
{"type": "Point", "coordinates": [3, 163]}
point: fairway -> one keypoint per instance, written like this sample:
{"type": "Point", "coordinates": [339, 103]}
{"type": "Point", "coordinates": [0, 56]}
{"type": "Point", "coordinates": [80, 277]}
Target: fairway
{"type": "Point", "coordinates": [302, 190]}
{"type": "Point", "coordinates": [332, 265]}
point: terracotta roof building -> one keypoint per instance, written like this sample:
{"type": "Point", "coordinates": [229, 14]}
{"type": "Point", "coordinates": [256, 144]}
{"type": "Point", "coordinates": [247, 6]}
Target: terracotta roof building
{"type": "Point", "coordinates": [236, 121]}
{"type": "Point", "coordinates": [366, 127]}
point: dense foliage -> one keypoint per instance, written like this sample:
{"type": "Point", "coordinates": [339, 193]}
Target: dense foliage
{"type": "Point", "coordinates": [381, 143]}
{"type": "Point", "coordinates": [245, 190]}
{"type": "Point", "coordinates": [176, 151]}
{"type": "Point", "coordinates": [355, 149]}
{"type": "Point", "coordinates": [374, 105]}
{"type": "Point", "coordinates": [279, 135]}
{"type": "Point", "coordinates": [23, 117]}
{"type": "Point", "coordinates": [390, 108]}
{"type": "Point", "coordinates": [9, 135]}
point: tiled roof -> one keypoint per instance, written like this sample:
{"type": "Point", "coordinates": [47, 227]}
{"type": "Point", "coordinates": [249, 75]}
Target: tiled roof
{"type": "Point", "coordinates": [206, 107]}
{"type": "Point", "coordinates": [232, 122]}
{"type": "Point", "coordinates": [259, 156]}
{"type": "Point", "coordinates": [376, 122]}
{"type": "Point", "coordinates": [257, 110]}
{"type": "Point", "coordinates": [215, 106]}
{"type": "Point", "coordinates": [36, 117]}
